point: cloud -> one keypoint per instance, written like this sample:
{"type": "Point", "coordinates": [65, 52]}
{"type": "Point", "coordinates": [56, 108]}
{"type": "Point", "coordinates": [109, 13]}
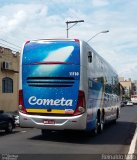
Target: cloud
{"type": "Point", "coordinates": [25, 20]}
{"type": "Point", "coordinates": [129, 71]}
{"type": "Point", "coordinates": [99, 3]}
{"type": "Point", "coordinates": [15, 16]}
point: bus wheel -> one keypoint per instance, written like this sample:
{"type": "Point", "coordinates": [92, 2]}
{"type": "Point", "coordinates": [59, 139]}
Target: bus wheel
{"type": "Point", "coordinates": [117, 116]}
{"type": "Point", "coordinates": [102, 122]}
{"type": "Point", "coordinates": [97, 128]}
{"type": "Point", "coordinates": [101, 125]}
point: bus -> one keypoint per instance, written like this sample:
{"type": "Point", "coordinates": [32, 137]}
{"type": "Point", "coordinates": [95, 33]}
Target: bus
{"type": "Point", "coordinates": [66, 85]}
{"type": "Point", "coordinates": [134, 99]}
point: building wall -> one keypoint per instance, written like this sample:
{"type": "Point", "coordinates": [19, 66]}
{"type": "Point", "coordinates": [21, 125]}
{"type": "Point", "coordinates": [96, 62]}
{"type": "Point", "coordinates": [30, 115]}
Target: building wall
{"type": "Point", "coordinates": [9, 101]}
{"type": "Point", "coordinates": [135, 85]}
{"type": "Point", "coordinates": [127, 85]}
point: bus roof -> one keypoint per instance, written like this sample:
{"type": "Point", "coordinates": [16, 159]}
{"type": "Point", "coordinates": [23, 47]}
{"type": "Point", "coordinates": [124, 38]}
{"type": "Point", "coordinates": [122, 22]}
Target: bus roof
{"type": "Point", "coordinates": [52, 40]}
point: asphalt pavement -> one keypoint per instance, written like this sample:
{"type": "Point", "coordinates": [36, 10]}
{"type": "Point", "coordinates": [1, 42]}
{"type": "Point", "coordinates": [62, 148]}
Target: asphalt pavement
{"type": "Point", "coordinates": [115, 139]}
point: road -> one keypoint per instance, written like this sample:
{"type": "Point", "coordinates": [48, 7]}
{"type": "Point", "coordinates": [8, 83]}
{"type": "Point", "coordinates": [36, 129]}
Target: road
{"type": "Point", "coordinates": [115, 139]}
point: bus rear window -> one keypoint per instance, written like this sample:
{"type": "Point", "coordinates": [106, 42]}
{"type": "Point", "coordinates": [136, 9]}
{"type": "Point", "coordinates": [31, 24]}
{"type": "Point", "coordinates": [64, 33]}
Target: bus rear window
{"type": "Point", "coordinates": [63, 51]}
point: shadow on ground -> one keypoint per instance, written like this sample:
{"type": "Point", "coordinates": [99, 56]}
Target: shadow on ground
{"type": "Point", "coordinates": [3, 133]}
{"type": "Point", "coordinates": [120, 133]}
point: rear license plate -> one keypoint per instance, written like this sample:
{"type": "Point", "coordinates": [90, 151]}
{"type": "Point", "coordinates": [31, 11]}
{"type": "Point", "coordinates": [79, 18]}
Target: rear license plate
{"type": "Point", "coordinates": [48, 121]}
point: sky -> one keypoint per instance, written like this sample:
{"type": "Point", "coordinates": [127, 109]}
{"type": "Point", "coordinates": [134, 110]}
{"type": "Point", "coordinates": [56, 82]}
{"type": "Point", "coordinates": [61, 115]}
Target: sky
{"type": "Point", "coordinates": [22, 20]}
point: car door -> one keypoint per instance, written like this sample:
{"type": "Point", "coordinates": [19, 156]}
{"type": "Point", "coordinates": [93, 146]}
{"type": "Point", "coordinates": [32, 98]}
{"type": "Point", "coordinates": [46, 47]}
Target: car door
{"type": "Point", "coordinates": [2, 119]}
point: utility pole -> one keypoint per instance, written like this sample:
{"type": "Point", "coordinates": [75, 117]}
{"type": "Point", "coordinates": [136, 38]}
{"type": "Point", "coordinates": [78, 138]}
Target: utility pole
{"type": "Point", "coordinates": [75, 22]}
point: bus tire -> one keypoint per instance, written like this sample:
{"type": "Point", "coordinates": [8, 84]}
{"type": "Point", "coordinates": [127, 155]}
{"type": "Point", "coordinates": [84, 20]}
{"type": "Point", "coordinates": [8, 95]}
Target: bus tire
{"type": "Point", "coordinates": [99, 123]}
{"type": "Point", "coordinates": [117, 116]}
{"type": "Point", "coordinates": [101, 127]}
{"type": "Point", "coordinates": [98, 128]}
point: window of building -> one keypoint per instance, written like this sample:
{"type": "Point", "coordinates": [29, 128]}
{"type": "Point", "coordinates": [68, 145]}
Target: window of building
{"type": "Point", "coordinates": [7, 85]}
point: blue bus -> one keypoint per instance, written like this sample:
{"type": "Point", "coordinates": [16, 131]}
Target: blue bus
{"type": "Point", "coordinates": [66, 85]}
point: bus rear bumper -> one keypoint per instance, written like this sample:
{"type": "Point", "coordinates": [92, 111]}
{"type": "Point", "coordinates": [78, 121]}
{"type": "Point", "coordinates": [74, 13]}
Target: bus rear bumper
{"type": "Point", "coordinates": [53, 122]}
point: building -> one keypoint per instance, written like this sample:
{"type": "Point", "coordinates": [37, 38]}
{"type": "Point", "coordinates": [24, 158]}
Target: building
{"type": "Point", "coordinates": [127, 85]}
{"type": "Point", "coordinates": [129, 88]}
{"type": "Point", "coordinates": [135, 87]}
{"type": "Point", "coordinates": [9, 77]}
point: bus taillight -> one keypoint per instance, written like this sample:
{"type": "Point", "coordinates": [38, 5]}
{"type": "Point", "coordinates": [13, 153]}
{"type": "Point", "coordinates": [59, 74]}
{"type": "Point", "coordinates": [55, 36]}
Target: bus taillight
{"type": "Point", "coordinates": [27, 42]}
{"type": "Point", "coordinates": [81, 105]}
{"type": "Point", "coordinates": [21, 103]}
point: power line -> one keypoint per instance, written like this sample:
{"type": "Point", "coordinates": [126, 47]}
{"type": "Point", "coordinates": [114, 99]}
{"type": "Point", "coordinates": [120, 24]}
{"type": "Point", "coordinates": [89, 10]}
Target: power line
{"type": "Point", "coordinates": [10, 43]}
{"type": "Point", "coordinates": [15, 50]}
{"type": "Point", "coordinates": [11, 39]}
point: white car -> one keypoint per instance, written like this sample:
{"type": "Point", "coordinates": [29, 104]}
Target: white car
{"type": "Point", "coordinates": [129, 103]}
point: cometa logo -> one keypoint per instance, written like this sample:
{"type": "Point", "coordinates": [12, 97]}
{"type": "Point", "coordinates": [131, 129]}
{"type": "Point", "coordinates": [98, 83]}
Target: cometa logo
{"type": "Point", "coordinates": [57, 102]}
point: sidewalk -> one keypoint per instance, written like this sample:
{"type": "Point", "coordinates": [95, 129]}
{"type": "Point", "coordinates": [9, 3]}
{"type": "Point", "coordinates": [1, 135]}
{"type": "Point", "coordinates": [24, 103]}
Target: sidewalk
{"type": "Point", "coordinates": [136, 149]}
{"type": "Point", "coordinates": [135, 152]}
{"type": "Point", "coordinates": [133, 145]}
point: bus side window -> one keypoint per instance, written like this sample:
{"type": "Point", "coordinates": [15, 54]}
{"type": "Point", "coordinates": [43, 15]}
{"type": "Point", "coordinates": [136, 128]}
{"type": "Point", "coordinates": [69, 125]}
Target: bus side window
{"type": "Point", "coordinates": [100, 79]}
{"type": "Point", "coordinates": [89, 56]}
